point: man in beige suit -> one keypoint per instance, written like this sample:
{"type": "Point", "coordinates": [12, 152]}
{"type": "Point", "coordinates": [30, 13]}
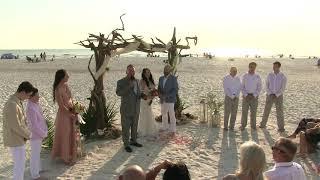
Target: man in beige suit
{"type": "Point", "coordinates": [15, 128]}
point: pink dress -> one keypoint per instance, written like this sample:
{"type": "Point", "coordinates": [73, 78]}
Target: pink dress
{"type": "Point", "coordinates": [64, 143]}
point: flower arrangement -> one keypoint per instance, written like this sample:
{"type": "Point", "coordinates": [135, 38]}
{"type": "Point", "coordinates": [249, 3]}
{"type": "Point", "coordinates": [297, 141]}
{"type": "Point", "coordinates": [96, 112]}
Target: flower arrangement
{"type": "Point", "coordinates": [78, 109]}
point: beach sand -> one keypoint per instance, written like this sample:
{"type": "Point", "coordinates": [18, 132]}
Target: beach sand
{"type": "Point", "coordinates": [210, 153]}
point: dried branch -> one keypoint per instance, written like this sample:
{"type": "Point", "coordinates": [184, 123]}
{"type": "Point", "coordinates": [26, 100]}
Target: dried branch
{"type": "Point", "coordinates": [160, 41]}
{"type": "Point", "coordinates": [115, 30]}
{"type": "Point", "coordinates": [122, 29]}
{"type": "Point", "coordinates": [152, 41]}
{"type": "Point", "coordinates": [195, 40]}
{"type": "Point", "coordinates": [90, 70]}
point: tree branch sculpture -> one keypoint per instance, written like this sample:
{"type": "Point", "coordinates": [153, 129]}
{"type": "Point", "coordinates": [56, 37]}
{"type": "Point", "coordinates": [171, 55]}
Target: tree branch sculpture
{"type": "Point", "coordinates": [114, 44]}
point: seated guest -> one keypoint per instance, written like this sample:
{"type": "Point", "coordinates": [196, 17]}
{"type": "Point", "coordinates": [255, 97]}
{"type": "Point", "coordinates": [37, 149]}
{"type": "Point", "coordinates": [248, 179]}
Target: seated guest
{"type": "Point", "coordinates": [178, 171]}
{"type": "Point", "coordinates": [304, 124]}
{"type": "Point", "coordinates": [309, 140]}
{"type": "Point", "coordinates": [283, 153]}
{"type": "Point", "coordinates": [252, 163]}
{"type": "Point", "coordinates": [133, 173]}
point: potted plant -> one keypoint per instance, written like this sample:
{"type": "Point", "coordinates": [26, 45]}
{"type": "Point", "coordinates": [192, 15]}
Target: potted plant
{"type": "Point", "coordinates": [214, 105]}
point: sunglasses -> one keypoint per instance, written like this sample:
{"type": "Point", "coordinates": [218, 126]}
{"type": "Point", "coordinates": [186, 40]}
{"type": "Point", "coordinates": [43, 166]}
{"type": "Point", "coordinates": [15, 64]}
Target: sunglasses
{"type": "Point", "coordinates": [274, 148]}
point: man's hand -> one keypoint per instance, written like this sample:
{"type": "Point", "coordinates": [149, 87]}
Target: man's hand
{"type": "Point", "coordinates": [165, 164]}
{"type": "Point", "coordinates": [273, 96]}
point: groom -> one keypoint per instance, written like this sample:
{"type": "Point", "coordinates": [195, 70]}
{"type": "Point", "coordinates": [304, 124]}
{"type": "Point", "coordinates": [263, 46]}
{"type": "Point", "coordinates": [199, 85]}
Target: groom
{"type": "Point", "coordinates": [128, 89]}
{"type": "Point", "coordinates": [168, 90]}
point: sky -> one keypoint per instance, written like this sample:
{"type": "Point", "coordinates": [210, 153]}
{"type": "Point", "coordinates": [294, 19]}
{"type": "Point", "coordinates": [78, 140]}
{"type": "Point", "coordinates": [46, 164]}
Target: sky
{"type": "Point", "coordinates": [222, 26]}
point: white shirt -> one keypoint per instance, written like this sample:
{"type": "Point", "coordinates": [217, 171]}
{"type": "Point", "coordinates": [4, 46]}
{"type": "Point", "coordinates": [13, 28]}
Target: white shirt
{"type": "Point", "coordinates": [135, 87]}
{"type": "Point", "coordinates": [286, 171]}
{"type": "Point", "coordinates": [164, 81]}
{"type": "Point", "coordinates": [251, 84]}
{"type": "Point", "coordinates": [276, 83]}
{"type": "Point", "coordinates": [231, 86]}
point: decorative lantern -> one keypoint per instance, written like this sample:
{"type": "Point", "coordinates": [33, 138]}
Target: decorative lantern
{"type": "Point", "coordinates": [203, 110]}
{"type": "Point", "coordinates": [215, 120]}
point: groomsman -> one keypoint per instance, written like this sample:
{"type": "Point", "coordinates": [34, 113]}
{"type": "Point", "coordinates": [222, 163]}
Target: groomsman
{"type": "Point", "coordinates": [15, 128]}
{"type": "Point", "coordinates": [251, 88]}
{"type": "Point", "coordinates": [275, 86]}
{"type": "Point", "coordinates": [232, 87]}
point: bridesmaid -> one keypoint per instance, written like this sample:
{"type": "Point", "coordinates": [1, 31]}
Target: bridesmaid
{"type": "Point", "coordinates": [64, 143]}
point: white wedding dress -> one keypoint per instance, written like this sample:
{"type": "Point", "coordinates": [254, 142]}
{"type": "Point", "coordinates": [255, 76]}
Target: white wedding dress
{"type": "Point", "coordinates": [146, 125]}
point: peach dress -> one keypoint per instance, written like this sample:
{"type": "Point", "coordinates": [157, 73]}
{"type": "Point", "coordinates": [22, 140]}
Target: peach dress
{"type": "Point", "coordinates": [64, 143]}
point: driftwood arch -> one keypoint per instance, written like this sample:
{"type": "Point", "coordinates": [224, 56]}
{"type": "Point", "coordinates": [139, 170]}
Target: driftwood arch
{"type": "Point", "coordinates": [114, 44]}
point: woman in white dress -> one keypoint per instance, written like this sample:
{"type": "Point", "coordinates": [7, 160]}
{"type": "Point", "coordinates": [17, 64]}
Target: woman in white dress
{"type": "Point", "coordinates": [147, 125]}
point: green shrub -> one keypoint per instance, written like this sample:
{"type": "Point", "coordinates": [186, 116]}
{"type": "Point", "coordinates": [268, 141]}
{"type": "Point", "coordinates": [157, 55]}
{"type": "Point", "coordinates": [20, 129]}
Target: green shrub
{"type": "Point", "coordinates": [89, 116]}
{"type": "Point", "coordinates": [48, 141]}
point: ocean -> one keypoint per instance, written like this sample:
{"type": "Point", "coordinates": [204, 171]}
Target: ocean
{"type": "Point", "coordinates": [58, 53]}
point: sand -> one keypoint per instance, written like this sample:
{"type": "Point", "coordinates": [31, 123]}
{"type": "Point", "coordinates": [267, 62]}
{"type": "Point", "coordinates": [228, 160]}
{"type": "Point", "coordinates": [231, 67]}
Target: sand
{"type": "Point", "coordinates": [210, 153]}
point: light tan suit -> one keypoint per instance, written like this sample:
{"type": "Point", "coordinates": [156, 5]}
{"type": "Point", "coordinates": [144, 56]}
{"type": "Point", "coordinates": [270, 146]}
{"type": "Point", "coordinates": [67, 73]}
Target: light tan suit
{"type": "Point", "coordinates": [15, 128]}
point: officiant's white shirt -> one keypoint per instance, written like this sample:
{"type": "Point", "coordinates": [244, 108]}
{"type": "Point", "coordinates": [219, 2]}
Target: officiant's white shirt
{"type": "Point", "coordinates": [164, 81]}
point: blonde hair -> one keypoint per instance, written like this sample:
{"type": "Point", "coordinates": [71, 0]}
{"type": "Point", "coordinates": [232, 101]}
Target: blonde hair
{"type": "Point", "coordinates": [252, 160]}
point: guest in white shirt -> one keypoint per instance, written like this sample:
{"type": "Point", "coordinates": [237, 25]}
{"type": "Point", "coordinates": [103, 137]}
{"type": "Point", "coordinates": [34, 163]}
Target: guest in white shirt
{"type": "Point", "coordinates": [251, 88]}
{"type": "Point", "coordinates": [232, 87]}
{"type": "Point", "coordinates": [275, 86]}
{"type": "Point", "coordinates": [283, 153]}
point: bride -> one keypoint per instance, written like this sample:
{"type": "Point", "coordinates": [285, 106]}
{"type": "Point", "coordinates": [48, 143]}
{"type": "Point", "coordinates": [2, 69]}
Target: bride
{"type": "Point", "coordinates": [147, 124]}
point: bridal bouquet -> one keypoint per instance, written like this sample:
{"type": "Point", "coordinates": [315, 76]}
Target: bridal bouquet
{"type": "Point", "coordinates": [78, 109]}
{"type": "Point", "coordinates": [154, 92]}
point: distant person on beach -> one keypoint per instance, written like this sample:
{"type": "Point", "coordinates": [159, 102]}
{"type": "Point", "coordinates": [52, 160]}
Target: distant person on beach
{"type": "Point", "coordinates": [252, 163]}
{"type": "Point", "coordinates": [251, 88]}
{"type": "Point", "coordinates": [318, 64]}
{"type": "Point", "coordinates": [232, 87]}
{"type": "Point", "coordinates": [168, 90]}
{"type": "Point", "coordinates": [64, 143]}
{"type": "Point", "coordinates": [283, 152]}
{"type": "Point", "coordinates": [275, 85]}
{"type": "Point", "coordinates": [147, 125]}
{"type": "Point", "coordinates": [129, 91]}
{"type": "Point", "coordinates": [15, 128]}
{"type": "Point", "coordinates": [39, 131]}
{"type": "Point", "coordinates": [44, 56]}
{"type": "Point", "coordinates": [41, 56]}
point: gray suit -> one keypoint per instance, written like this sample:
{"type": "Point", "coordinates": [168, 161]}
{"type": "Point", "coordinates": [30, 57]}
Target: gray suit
{"type": "Point", "coordinates": [129, 109]}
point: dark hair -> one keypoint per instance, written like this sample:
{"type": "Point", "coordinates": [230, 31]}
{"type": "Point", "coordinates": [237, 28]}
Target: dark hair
{"type": "Point", "coordinates": [178, 171]}
{"type": "Point", "coordinates": [145, 78]}
{"type": "Point", "coordinates": [34, 92]}
{"type": "Point", "coordinates": [60, 74]}
{"type": "Point", "coordinates": [253, 63]}
{"type": "Point", "coordinates": [26, 87]}
{"type": "Point", "coordinates": [130, 65]}
{"type": "Point", "coordinates": [289, 145]}
{"type": "Point", "coordinates": [277, 63]}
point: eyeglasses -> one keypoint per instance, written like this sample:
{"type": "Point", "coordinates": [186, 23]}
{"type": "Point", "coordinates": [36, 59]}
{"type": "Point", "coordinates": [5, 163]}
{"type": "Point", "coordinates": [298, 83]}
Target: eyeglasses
{"type": "Point", "coordinates": [278, 149]}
